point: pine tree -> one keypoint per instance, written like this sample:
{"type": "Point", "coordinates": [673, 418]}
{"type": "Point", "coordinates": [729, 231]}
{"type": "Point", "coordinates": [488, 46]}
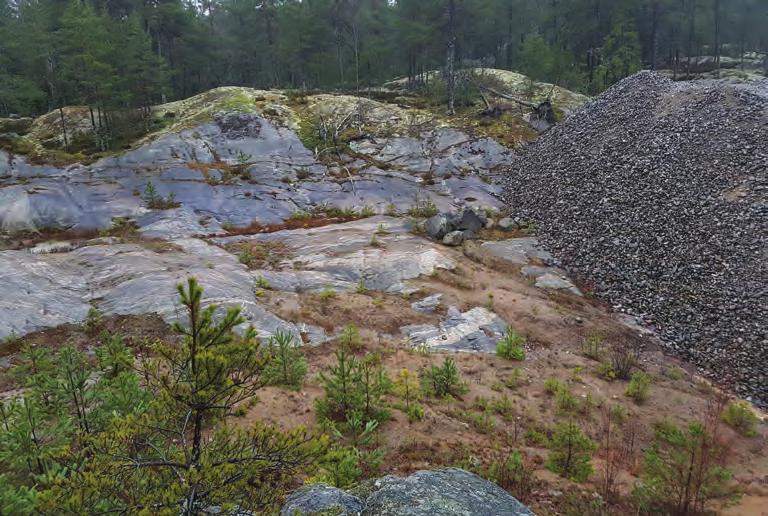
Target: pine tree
{"type": "Point", "coordinates": [571, 452]}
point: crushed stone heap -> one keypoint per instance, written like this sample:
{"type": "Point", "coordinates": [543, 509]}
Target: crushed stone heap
{"type": "Point", "coordinates": [655, 194]}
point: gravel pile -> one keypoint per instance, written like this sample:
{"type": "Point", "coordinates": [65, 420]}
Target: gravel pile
{"type": "Point", "coordinates": [656, 195]}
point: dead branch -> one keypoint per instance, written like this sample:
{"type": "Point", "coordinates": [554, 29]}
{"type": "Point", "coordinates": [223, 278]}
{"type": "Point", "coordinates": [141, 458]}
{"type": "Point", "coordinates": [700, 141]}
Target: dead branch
{"type": "Point", "coordinates": [508, 97]}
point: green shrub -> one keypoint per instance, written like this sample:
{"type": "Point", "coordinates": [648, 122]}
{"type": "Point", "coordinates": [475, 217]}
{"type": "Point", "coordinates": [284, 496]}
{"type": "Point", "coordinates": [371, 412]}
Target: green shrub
{"type": "Point", "coordinates": [262, 283]}
{"type": "Point", "coordinates": [286, 365]}
{"type": "Point", "coordinates": [552, 386]}
{"type": "Point", "coordinates": [327, 293]}
{"type": "Point", "coordinates": [482, 421]}
{"type": "Point", "coordinates": [593, 347]}
{"type": "Point", "coordinates": [682, 471]}
{"type": "Point", "coordinates": [571, 453]}
{"type": "Point", "coordinates": [565, 401]}
{"type": "Point", "coordinates": [639, 386]}
{"type": "Point", "coordinates": [443, 380]}
{"type": "Point", "coordinates": [340, 467]}
{"type": "Point", "coordinates": [423, 208]}
{"type": "Point", "coordinates": [515, 379]}
{"type": "Point", "coordinates": [92, 320]}
{"type": "Point", "coordinates": [535, 437]}
{"type": "Point", "coordinates": [511, 346]}
{"type": "Point", "coordinates": [154, 201]}
{"type": "Point", "coordinates": [350, 338]}
{"type": "Point", "coordinates": [605, 371]}
{"type": "Point", "coordinates": [514, 475]}
{"type": "Point", "coordinates": [740, 416]}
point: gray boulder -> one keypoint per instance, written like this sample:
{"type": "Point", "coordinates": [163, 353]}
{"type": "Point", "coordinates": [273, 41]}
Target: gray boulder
{"type": "Point", "coordinates": [321, 499]}
{"type": "Point", "coordinates": [470, 220]}
{"type": "Point", "coordinates": [449, 492]}
{"type": "Point", "coordinates": [454, 238]}
{"type": "Point", "coordinates": [438, 226]}
{"type": "Point", "coordinates": [507, 224]}
{"type": "Point", "coordinates": [444, 492]}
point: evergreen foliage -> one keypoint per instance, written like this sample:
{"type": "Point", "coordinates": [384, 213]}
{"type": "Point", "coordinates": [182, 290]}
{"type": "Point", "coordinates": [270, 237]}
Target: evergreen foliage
{"type": "Point", "coordinates": [287, 365]}
{"type": "Point", "coordinates": [683, 471]}
{"type": "Point", "coordinates": [117, 56]}
{"type": "Point", "coordinates": [112, 435]}
{"type": "Point", "coordinates": [571, 452]}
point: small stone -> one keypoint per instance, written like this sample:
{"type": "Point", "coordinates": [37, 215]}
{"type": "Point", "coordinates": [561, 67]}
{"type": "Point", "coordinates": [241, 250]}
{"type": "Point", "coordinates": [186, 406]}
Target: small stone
{"type": "Point", "coordinates": [454, 238]}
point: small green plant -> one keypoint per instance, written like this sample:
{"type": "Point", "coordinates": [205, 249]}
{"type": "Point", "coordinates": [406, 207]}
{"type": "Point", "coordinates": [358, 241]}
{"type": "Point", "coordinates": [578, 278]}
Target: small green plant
{"type": "Point", "coordinates": [121, 227]}
{"type": "Point", "coordinates": [92, 320]}
{"type": "Point", "coordinates": [552, 386]}
{"type": "Point", "coordinates": [367, 212]}
{"type": "Point", "coordinates": [515, 379]}
{"type": "Point", "coordinates": [286, 365]}
{"type": "Point", "coordinates": [423, 208]}
{"type": "Point", "coordinates": [375, 242]}
{"type": "Point", "coordinates": [350, 338]}
{"type": "Point", "coordinates": [565, 401]}
{"type": "Point", "coordinates": [571, 453]}
{"type": "Point", "coordinates": [489, 303]}
{"type": "Point", "coordinates": [530, 229]}
{"type": "Point", "coordinates": [262, 283]}
{"type": "Point", "coordinates": [513, 474]}
{"type": "Point", "coordinates": [327, 293]}
{"type": "Point", "coordinates": [483, 421]}
{"type": "Point", "coordinates": [391, 210]}
{"type": "Point", "coordinates": [381, 230]}
{"type": "Point", "coordinates": [443, 380]}
{"type": "Point", "coordinates": [407, 387]}
{"type": "Point", "coordinates": [300, 215]}
{"type": "Point", "coordinates": [340, 467]}
{"type": "Point", "coordinates": [740, 416]}
{"type": "Point", "coordinates": [511, 346]}
{"type": "Point", "coordinates": [504, 407]}
{"type": "Point", "coordinates": [360, 287]}
{"type": "Point", "coordinates": [536, 437]}
{"type": "Point", "coordinates": [246, 256]}
{"type": "Point", "coordinates": [605, 371]}
{"type": "Point", "coordinates": [154, 201]}
{"type": "Point", "coordinates": [624, 358]}
{"type": "Point", "coordinates": [638, 387]}
{"type": "Point", "coordinates": [302, 174]}
{"type": "Point", "coordinates": [682, 471]}
{"type": "Point", "coordinates": [593, 347]}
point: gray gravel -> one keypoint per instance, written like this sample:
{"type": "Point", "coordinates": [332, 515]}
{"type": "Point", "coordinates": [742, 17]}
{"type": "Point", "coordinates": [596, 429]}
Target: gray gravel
{"type": "Point", "coordinates": [655, 194]}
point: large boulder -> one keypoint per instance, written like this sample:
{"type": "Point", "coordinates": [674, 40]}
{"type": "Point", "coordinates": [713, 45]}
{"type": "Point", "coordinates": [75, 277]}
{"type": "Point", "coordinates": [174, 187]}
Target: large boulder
{"type": "Point", "coordinates": [321, 499]}
{"type": "Point", "coordinates": [447, 492]}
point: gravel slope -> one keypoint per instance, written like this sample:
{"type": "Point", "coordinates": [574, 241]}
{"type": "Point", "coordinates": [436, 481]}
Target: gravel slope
{"type": "Point", "coordinates": [656, 193]}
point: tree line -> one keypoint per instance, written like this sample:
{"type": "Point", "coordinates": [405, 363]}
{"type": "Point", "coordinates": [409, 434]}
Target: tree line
{"type": "Point", "coordinates": [119, 54]}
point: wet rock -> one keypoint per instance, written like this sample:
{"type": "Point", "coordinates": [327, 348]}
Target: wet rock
{"type": "Point", "coordinates": [320, 499]}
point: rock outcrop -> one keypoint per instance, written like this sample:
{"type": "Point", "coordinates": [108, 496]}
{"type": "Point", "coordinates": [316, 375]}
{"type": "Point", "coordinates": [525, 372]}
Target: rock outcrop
{"type": "Point", "coordinates": [447, 492]}
{"type": "Point", "coordinates": [656, 193]}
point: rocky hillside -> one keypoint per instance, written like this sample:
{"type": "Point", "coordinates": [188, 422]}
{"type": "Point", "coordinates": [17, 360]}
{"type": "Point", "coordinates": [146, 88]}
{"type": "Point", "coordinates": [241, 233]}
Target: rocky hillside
{"type": "Point", "coordinates": [655, 194]}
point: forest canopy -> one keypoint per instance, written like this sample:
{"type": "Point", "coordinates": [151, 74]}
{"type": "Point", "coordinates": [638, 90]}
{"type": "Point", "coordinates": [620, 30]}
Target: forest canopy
{"type": "Point", "coordinates": [119, 54]}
